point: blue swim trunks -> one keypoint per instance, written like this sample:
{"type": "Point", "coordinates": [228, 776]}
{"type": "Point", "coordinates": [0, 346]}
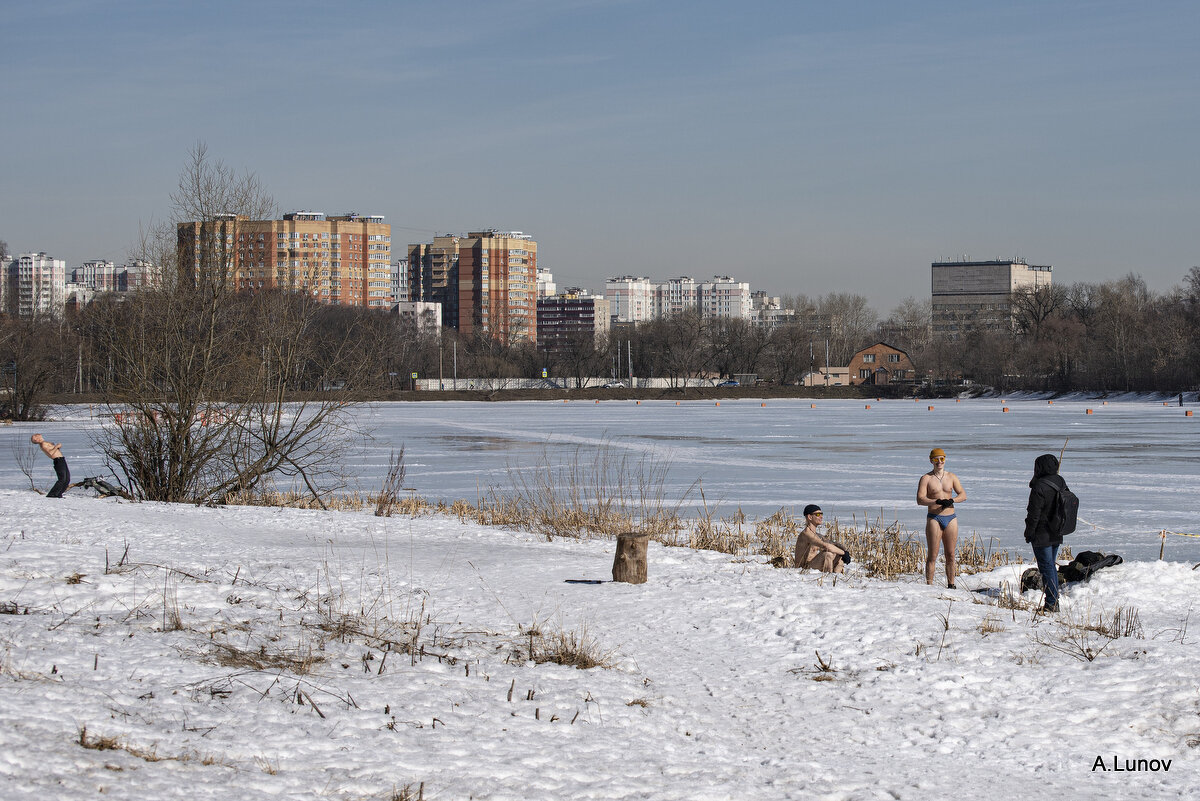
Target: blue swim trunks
{"type": "Point", "coordinates": [943, 520]}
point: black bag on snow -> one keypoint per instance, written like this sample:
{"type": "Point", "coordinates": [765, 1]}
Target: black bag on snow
{"type": "Point", "coordinates": [1085, 564]}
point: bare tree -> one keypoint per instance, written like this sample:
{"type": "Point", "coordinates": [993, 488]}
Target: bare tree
{"type": "Point", "coordinates": [214, 392]}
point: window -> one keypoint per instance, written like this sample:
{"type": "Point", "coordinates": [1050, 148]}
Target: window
{"type": "Point", "coordinates": [864, 373]}
{"type": "Point", "coordinates": [868, 358]}
{"type": "Point", "coordinates": [894, 357]}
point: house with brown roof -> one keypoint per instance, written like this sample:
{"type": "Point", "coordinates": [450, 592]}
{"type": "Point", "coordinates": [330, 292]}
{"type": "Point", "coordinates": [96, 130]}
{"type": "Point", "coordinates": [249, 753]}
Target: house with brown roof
{"type": "Point", "coordinates": [881, 364]}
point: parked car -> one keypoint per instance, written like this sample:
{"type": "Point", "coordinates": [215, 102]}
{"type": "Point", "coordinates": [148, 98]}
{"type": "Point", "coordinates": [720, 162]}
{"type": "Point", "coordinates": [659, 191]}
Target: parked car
{"type": "Point", "coordinates": [614, 385]}
{"type": "Point", "coordinates": [729, 383]}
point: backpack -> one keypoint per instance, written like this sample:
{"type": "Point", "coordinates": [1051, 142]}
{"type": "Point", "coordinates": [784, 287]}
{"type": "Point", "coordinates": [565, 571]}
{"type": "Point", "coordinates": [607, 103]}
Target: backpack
{"type": "Point", "coordinates": [1066, 512]}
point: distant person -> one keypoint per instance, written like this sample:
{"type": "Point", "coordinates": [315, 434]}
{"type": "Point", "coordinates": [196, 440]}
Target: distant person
{"type": "Point", "coordinates": [938, 491]}
{"type": "Point", "coordinates": [1040, 528]}
{"type": "Point", "coordinates": [814, 552]}
{"type": "Point", "coordinates": [54, 451]}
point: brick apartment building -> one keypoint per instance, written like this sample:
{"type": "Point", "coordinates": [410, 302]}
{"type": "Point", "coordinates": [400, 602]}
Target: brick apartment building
{"type": "Point", "coordinates": [486, 282]}
{"type": "Point", "coordinates": [343, 260]}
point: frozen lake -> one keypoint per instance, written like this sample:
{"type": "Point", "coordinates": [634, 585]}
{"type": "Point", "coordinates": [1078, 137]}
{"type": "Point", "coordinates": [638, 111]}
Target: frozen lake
{"type": "Point", "coordinates": [1134, 464]}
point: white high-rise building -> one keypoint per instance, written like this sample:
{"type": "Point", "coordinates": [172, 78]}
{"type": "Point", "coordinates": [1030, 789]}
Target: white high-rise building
{"type": "Point", "coordinates": [37, 284]}
{"type": "Point", "coordinates": [630, 299]}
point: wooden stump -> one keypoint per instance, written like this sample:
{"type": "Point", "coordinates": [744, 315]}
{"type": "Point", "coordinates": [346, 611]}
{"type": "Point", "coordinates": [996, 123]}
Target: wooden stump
{"type": "Point", "coordinates": [629, 565]}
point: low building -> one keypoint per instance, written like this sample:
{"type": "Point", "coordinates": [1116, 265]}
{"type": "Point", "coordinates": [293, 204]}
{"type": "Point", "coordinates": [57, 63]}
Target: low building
{"type": "Point", "coordinates": [827, 377]}
{"type": "Point", "coordinates": [880, 364]}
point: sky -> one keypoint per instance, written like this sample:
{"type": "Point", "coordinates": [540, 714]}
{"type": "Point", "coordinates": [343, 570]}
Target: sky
{"type": "Point", "coordinates": [803, 147]}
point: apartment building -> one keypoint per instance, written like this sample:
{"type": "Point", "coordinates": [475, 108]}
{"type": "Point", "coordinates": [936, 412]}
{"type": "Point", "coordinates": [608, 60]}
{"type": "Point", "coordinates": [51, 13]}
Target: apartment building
{"type": "Point", "coordinates": [342, 259]}
{"type": "Point", "coordinates": [566, 319]}
{"type": "Point", "coordinates": [486, 282]}
{"type": "Point", "coordinates": [980, 293]}
{"type": "Point", "coordinates": [100, 275]}
{"type": "Point", "coordinates": [635, 300]}
{"type": "Point", "coordinates": [630, 299]}
{"type": "Point", "coordinates": [34, 283]}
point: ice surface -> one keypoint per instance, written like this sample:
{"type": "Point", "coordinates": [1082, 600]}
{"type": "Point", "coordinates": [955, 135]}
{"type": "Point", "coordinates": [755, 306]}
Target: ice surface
{"type": "Point", "coordinates": [1134, 464]}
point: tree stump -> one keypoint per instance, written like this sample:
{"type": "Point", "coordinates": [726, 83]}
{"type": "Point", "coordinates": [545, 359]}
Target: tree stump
{"type": "Point", "coordinates": [629, 565]}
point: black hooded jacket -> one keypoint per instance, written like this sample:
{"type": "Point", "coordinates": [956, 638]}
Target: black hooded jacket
{"type": "Point", "coordinates": [1043, 489]}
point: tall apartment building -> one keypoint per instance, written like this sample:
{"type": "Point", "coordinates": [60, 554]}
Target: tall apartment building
{"type": "Point", "coordinates": [35, 283]}
{"type": "Point", "coordinates": [630, 299]}
{"type": "Point", "coordinates": [486, 282]}
{"type": "Point", "coordinates": [565, 318]}
{"type": "Point", "coordinates": [980, 293]}
{"type": "Point", "coordinates": [724, 297]}
{"type": "Point", "coordinates": [343, 259]}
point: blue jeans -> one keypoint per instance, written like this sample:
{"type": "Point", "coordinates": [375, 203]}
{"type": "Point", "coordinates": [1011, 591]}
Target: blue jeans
{"type": "Point", "coordinates": [1045, 556]}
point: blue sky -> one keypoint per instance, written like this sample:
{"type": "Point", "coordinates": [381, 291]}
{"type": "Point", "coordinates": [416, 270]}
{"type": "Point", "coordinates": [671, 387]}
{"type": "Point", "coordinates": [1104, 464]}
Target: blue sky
{"type": "Point", "coordinates": [803, 147]}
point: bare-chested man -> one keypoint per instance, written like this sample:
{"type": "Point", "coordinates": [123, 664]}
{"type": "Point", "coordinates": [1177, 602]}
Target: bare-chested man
{"type": "Point", "coordinates": [938, 491]}
{"type": "Point", "coordinates": [54, 451]}
{"type": "Point", "coordinates": [814, 552]}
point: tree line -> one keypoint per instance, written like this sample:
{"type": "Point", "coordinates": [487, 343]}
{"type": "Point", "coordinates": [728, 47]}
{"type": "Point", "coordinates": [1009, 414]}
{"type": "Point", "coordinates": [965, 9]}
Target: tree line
{"type": "Point", "coordinates": [1110, 336]}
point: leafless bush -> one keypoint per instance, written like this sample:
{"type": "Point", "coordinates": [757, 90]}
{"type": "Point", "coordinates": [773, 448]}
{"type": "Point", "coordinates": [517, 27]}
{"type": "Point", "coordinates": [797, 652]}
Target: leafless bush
{"type": "Point", "coordinates": [601, 494]}
{"type": "Point", "coordinates": [25, 454]}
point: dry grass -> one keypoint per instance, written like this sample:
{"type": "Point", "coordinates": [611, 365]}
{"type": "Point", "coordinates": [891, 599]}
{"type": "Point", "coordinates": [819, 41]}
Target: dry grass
{"type": "Point", "coordinates": [298, 661]}
{"type": "Point", "coordinates": [102, 743]}
{"type": "Point", "coordinates": [578, 649]}
{"type": "Point", "coordinates": [1086, 639]}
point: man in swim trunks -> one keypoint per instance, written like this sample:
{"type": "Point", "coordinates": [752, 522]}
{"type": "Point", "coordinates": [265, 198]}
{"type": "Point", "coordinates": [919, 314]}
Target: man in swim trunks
{"type": "Point", "coordinates": [814, 552]}
{"type": "Point", "coordinates": [938, 491]}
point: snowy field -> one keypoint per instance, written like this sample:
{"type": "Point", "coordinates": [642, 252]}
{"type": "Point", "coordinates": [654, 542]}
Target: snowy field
{"type": "Point", "coordinates": [249, 653]}
{"type": "Point", "coordinates": [150, 651]}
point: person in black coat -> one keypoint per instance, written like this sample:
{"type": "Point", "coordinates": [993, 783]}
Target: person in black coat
{"type": "Point", "coordinates": [1043, 490]}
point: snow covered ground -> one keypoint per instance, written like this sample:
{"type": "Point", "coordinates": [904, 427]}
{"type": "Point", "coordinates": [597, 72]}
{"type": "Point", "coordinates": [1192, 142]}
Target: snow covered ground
{"type": "Point", "coordinates": [157, 651]}
{"type": "Point", "coordinates": [243, 653]}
